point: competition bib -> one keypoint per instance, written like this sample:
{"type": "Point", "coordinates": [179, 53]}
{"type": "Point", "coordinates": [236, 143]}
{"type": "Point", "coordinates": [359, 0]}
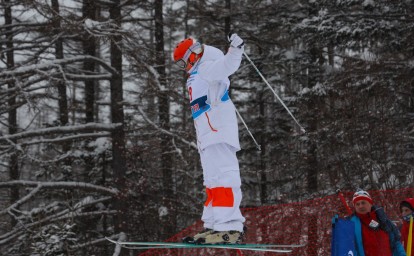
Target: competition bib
{"type": "Point", "coordinates": [198, 90]}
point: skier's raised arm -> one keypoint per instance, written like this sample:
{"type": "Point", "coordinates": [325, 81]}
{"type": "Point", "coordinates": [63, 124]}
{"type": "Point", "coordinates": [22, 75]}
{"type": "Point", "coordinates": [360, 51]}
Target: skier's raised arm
{"type": "Point", "coordinates": [225, 66]}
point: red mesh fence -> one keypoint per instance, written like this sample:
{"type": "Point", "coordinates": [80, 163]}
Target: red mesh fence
{"type": "Point", "coordinates": [307, 222]}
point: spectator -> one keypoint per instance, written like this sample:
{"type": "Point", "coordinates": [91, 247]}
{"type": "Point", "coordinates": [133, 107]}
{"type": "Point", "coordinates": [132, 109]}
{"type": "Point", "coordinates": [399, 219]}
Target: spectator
{"type": "Point", "coordinates": [407, 211]}
{"type": "Point", "coordinates": [375, 234]}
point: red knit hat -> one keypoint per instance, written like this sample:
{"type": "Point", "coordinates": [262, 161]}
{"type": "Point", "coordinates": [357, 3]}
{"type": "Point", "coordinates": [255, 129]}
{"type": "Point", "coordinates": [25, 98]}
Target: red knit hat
{"type": "Point", "coordinates": [409, 203]}
{"type": "Point", "coordinates": [361, 195]}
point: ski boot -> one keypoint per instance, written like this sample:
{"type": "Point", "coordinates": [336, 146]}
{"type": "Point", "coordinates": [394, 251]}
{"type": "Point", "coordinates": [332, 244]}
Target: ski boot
{"type": "Point", "coordinates": [198, 236]}
{"type": "Point", "coordinates": [222, 237]}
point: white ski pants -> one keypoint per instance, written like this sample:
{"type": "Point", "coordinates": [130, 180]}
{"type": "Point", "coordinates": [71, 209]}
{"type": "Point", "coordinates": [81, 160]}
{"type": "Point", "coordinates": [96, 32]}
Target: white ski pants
{"type": "Point", "coordinates": [222, 181]}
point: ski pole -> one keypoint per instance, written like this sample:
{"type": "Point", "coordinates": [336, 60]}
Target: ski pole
{"type": "Point", "coordinates": [267, 83]}
{"type": "Point", "coordinates": [277, 96]}
{"type": "Point", "coordinates": [247, 128]}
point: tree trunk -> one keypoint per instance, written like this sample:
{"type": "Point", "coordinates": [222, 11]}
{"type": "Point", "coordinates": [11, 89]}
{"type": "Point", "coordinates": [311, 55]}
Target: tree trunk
{"type": "Point", "coordinates": [313, 78]}
{"type": "Point", "coordinates": [227, 19]}
{"type": "Point", "coordinates": [12, 113]}
{"type": "Point", "coordinates": [63, 102]}
{"type": "Point", "coordinates": [119, 167]}
{"type": "Point", "coordinates": [89, 48]}
{"type": "Point", "coordinates": [263, 159]}
{"type": "Point", "coordinates": [61, 86]}
{"type": "Point", "coordinates": [164, 119]}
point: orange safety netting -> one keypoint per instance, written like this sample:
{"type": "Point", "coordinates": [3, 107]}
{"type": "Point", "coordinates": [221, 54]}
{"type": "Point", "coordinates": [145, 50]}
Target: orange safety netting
{"type": "Point", "coordinates": [307, 222]}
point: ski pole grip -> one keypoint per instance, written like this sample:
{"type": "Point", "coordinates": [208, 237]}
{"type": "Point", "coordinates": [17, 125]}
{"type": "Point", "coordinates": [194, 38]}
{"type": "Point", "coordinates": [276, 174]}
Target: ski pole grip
{"type": "Point", "coordinates": [229, 35]}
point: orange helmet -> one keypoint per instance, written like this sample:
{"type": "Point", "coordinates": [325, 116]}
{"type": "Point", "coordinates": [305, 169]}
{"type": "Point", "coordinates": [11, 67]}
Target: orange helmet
{"type": "Point", "coordinates": [187, 53]}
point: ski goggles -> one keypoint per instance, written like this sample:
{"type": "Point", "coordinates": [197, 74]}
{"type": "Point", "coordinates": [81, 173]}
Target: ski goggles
{"type": "Point", "coordinates": [183, 62]}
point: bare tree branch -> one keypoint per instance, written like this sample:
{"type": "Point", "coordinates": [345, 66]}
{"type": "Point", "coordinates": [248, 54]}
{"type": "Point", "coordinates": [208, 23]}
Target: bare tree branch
{"type": "Point", "coordinates": [16, 232]}
{"type": "Point", "coordinates": [191, 144]}
{"type": "Point", "coordinates": [59, 184]}
{"type": "Point", "coordinates": [62, 130]}
{"type": "Point", "coordinates": [65, 214]}
{"type": "Point", "coordinates": [55, 63]}
{"type": "Point", "coordinates": [67, 138]}
{"type": "Point", "coordinates": [22, 200]}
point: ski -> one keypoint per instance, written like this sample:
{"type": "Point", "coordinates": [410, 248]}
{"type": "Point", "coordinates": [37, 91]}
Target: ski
{"type": "Point", "coordinates": [190, 246]}
{"type": "Point", "coordinates": [166, 245]}
{"type": "Point", "coordinates": [185, 244]}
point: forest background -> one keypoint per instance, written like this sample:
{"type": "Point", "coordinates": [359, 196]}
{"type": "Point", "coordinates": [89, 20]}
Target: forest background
{"type": "Point", "coordinates": [96, 135]}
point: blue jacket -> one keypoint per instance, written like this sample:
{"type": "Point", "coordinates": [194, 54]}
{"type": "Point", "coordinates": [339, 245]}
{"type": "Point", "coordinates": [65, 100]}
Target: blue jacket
{"type": "Point", "coordinates": [386, 225]}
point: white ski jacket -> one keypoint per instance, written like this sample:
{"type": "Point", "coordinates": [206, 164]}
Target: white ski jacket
{"type": "Point", "coordinates": [212, 110]}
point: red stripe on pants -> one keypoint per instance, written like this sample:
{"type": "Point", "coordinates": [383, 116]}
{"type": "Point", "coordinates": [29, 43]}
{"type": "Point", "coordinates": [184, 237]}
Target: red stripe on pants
{"type": "Point", "coordinates": [220, 197]}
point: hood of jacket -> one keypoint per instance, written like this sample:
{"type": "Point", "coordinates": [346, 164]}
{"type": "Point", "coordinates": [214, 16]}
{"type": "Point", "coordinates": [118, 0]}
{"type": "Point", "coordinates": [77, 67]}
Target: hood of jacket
{"type": "Point", "coordinates": [211, 53]}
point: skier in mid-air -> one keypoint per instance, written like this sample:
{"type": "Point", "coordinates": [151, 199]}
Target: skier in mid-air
{"type": "Point", "coordinates": [216, 128]}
